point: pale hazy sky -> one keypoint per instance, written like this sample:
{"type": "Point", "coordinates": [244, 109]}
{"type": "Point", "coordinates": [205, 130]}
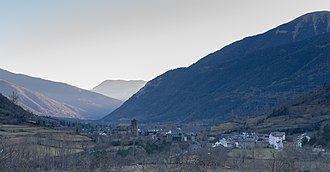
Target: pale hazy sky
{"type": "Point", "coordinates": [83, 42]}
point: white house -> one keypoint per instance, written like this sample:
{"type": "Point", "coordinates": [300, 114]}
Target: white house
{"type": "Point", "coordinates": [276, 139]}
{"type": "Point", "coordinates": [222, 142]}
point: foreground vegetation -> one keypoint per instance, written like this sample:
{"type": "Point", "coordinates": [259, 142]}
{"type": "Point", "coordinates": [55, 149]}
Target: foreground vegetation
{"type": "Point", "coordinates": [30, 148]}
{"type": "Point", "coordinates": [33, 147]}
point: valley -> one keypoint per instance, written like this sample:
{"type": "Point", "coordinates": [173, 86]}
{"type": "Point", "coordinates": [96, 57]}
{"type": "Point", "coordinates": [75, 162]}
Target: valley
{"type": "Point", "coordinates": [48, 98]}
{"type": "Point", "coordinates": [261, 103]}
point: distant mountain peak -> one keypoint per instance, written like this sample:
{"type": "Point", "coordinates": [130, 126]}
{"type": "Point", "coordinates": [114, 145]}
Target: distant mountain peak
{"type": "Point", "coordinates": [119, 89]}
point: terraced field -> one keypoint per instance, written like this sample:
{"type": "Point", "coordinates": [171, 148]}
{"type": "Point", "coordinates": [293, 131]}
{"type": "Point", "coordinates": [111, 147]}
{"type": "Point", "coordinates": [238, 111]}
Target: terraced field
{"type": "Point", "coordinates": [41, 141]}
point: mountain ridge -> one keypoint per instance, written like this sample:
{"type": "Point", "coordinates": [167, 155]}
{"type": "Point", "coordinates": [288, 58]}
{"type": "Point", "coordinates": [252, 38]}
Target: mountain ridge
{"type": "Point", "coordinates": [254, 73]}
{"type": "Point", "coordinates": [38, 103]}
{"type": "Point", "coordinates": [269, 39]}
{"type": "Point", "coordinates": [89, 104]}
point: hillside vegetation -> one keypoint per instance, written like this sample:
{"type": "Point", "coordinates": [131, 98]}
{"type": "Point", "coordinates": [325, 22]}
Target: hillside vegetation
{"type": "Point", "coordinates": [307, 113]}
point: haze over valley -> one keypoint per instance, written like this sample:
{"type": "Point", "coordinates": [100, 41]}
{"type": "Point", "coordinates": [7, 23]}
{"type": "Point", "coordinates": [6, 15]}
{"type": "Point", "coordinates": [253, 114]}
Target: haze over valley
{"type": "Point", "coordinates": [119, 89]}
{"type": "Point", "coordinates": [48, 98]}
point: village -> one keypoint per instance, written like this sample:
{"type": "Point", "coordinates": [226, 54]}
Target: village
{"type": "Point", "coordinates": [124, 136]}
{"type": "Point", "coordinates": [134, 145]}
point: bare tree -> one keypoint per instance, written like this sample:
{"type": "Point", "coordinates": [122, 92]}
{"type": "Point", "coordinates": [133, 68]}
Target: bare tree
{"type": "Point", "coordinates": [14, 98]}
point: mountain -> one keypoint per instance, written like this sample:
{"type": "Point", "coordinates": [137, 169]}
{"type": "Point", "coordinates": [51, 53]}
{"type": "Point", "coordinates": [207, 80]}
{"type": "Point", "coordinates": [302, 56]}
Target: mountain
{"type": "Point", "coordinates": [38, 103]}
{"type": "Point", "coordinates": [247, 77]}
{"type": "Point", "coordinates": [54, 98]}
{"type": "Point", "coordinates": [119, 89]}
{"type": "Point", "coordinates": [306, 113]}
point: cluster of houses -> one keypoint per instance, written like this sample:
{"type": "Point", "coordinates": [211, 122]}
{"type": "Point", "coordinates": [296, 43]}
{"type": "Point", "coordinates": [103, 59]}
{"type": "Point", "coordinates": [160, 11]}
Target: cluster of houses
{"type": "Point", "coordinates": [169, 136]}
{"type": "Point", "coordinates": [127, 133]}
{"type": "Point", "coordinates": [253, 140]}
{"type": "Point", "coordinates": [131, 131]}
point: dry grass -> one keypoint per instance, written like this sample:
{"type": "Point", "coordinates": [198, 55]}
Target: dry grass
{"type": "Point", "coordinates": [257, 153]}
{"type": "Point", "coordinates": [42, 141]}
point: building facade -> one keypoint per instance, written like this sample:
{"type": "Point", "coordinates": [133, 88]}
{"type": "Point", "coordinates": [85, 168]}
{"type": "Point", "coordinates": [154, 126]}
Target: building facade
{"type": "Point", "coordinates": [276, 139]}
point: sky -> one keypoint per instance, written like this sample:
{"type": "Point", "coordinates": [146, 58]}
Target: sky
{"type": "Point", "coordinates": [84, 42]}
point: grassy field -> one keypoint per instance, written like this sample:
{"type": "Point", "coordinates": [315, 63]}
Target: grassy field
{"type": "Point", "coordinates": [257, 153]}
{"type": "Point", "coordinates": [42, 141]}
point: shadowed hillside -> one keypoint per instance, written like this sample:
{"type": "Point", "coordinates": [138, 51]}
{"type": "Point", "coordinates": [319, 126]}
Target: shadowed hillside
{"type": "Point", "coordinates": [248, 77]}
